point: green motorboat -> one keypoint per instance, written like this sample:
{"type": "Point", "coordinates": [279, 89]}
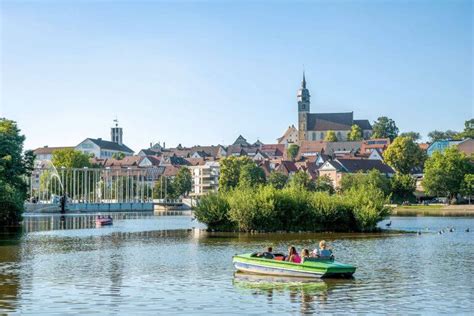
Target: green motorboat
{"type": "Point", "coordinates": [310, 268]}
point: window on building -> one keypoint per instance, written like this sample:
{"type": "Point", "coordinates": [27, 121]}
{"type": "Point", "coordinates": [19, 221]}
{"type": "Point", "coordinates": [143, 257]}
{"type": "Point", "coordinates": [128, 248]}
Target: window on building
{"type": "Point", "coordinates": [322, 135]}
{"type": "Point", "coordinates": [314, 135]}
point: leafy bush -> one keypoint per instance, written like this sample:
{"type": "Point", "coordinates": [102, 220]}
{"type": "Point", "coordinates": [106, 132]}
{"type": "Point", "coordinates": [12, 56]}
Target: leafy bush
{"type": "Point", "coordinates": [368, 206]}
{"type": "Point", "coordinates": [293, 208]}
{"type": "Point", "coordinates": [213, 210]}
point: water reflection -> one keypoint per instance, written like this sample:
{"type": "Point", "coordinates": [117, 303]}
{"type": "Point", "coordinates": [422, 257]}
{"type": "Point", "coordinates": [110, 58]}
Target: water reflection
{"type": "Point", "coordinates": [9, 278]}
{"type": "Point", "coordinates": [159, 265]}
{"type": "Point", "coordinates": [309, 294]}
{"type": "Point", "coordinates": [35, 223]}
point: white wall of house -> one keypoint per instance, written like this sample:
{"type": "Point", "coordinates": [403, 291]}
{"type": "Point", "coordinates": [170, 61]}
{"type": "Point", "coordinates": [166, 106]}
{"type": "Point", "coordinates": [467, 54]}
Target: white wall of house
{"type": "Point", "coordinates": [42, 157]}
{"type": "Point", "coordinates": [258, 156]}
{"type": "Point", "coordinates": [145, 162]}
{"type": "Point", "coordinates": [290, 137]}
{"type": "Point", "coordinates": [375, 155]}
{"type": "Point", "coordinates": [88, 147]}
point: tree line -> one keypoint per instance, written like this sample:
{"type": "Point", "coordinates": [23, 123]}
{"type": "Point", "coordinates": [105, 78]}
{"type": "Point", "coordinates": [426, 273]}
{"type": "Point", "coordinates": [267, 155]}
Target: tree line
{"type": "Point", "coordinates": [448, 174]}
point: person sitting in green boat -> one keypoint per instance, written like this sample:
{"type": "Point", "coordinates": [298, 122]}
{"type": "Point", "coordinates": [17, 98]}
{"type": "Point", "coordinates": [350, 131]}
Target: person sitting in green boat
{"type": "Point", "coordinates": [304, 255]}
{"type": "Point", "coordinates": [266, 254]}
{"type": "Point", "coordinates": [293, 255]}
{"type": "Point", "coordinates": [323, 251]}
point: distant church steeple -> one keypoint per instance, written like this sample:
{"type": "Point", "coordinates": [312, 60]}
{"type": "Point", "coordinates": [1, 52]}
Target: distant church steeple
{"type": "Point", "coordinates": [303, 98]}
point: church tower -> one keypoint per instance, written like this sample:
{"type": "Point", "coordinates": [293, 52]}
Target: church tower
{"type": "Point", "coordinates": [303, 110]}
{"type": "Point", "coordinates": [116, 133]}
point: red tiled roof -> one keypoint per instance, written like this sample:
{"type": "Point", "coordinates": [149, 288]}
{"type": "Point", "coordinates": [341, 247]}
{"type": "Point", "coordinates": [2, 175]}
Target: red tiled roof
{"type": "Point", "coordinates": [171, 171]}
{"type": "Point", "coordinates": [48, 150]}
{"type": "Point", "coordinates": [312, 146]}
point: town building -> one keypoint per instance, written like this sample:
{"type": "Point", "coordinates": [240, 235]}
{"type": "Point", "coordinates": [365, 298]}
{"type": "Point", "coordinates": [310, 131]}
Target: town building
{"type": "Point", "coordinates": [100, 148]}
{"type": "Point", "coordinates": [45, 153]}
{"type": "Point", "coordinates": [466, 146]}
{"type": "Point", "coordinates": [315, 126]}
{"type": "Point", "coordinates": [377, 143]}
{"type": "Point", "coordinates": [336, 169]}
{"type": "Point", "coordinates": [289, 137]}
{"type": "Point", "coordinates": [205, 178]}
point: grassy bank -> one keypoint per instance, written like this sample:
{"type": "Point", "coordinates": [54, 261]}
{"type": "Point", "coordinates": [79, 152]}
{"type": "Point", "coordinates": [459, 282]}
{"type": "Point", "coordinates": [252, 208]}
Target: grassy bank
{"type": "Point", "coordinates": [434, 210]}
{"type": "Point", "coordinates": [292, 209]}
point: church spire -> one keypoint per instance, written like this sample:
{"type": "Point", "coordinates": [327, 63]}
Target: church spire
{"type": "Point", "coordinates": [303, 83]}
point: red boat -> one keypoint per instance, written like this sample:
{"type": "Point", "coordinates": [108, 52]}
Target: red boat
{"type": "Point", "coordinates": [103, 221]}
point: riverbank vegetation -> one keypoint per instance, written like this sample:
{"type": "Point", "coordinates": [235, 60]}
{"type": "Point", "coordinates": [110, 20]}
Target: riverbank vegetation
{"type": "Point", "coordinates": [15, 167]}
{"type": "Point", "coordinates": [250, 203]}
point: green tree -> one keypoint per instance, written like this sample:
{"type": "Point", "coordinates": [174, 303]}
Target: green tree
{"type": "Point", "coordinates": [355, 134]}
{"type": "Point", "coordinates": [468, 129]}
{"type": "Point", "coordinates": [292, 151]}
{"type": "Point", "coordinates": [403, 186]}
{"type": "Point", "coordinates": [277, 180]}
{"type": "Point", "coordinates": [251, 175]}
{"type": "Point", "coordinates": [404, 154]}
{"type": "Point", "coordinates": [445, 172]}
{"type": "Point", "coordinates": [183, 182]}
{"type": "Point", "coordinates": [164, 188]}
{"type": "Point", "coordinates": [15, 167]}
{"type": "Point", "coordinates": [360, 180]}
{"type": "Point", "coordinates": [439, 135]}
{"type": "Point", "coordinates": [330, 136]}
{"type": "Point", "coordinates": [230, 171]}
{"type": "Point", "coordinates": [384, 127]}
{"type": "Point", "coordinates": [468, 186]}
{"type": "Point", "coordinates": [70, 158]}
{"type": "Point", "coordinates": [301, 180]}
{"type": "Point", "coordinates": [415, 136]}
{"type": "Point", "coordinates": [118, 156]}
{"type": "Point", "coordinates": [324, 184]}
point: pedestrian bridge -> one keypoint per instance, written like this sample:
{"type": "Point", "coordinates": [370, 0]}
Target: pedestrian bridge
{"type": "Point", "coordinates": [157, 205]}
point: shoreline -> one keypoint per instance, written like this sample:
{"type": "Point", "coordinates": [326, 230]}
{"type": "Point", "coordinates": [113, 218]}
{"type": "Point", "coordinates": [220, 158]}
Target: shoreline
{"type": "Point", "coordinates": [441, 211]}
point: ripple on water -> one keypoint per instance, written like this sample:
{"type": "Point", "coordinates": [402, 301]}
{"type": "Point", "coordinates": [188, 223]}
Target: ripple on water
{"type": "Point", "coordinates": [124, 270]}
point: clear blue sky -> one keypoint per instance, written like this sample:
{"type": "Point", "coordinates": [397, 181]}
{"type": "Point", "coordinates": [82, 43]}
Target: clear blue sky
{"type": "Point", "coordinates": [203, 72]}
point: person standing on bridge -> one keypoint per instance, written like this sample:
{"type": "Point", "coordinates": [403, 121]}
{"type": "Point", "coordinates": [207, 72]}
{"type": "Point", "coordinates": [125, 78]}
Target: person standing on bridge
{"type": "Point", "coordinates": [62, 203]}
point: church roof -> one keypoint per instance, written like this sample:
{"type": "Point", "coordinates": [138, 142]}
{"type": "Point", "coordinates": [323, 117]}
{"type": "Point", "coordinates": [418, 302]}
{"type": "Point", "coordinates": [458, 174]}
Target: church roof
{"type": "Point", "coordinates": [334, 122]}
{"type": "Point", "coordinates": [363, 124]}
{"type": "Point", "coordinates": [329, 121]}
{"type": "Point", "coordinates": [105, 144]}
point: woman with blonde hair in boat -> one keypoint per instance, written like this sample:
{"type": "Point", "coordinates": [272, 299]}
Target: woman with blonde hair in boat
{"type": "Point", "coordinates": [323, 251]}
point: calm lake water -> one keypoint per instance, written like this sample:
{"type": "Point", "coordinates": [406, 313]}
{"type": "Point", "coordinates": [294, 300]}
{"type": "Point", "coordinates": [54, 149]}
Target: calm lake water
{"type": "Point", "coordinates": [160, 265]}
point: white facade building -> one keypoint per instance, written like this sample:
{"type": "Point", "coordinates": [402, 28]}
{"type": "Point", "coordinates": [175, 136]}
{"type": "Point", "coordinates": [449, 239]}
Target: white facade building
{"type": "Point", "coordinates": [102, 148]}
{"type": "Point", "coordinates": [205, 178]}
